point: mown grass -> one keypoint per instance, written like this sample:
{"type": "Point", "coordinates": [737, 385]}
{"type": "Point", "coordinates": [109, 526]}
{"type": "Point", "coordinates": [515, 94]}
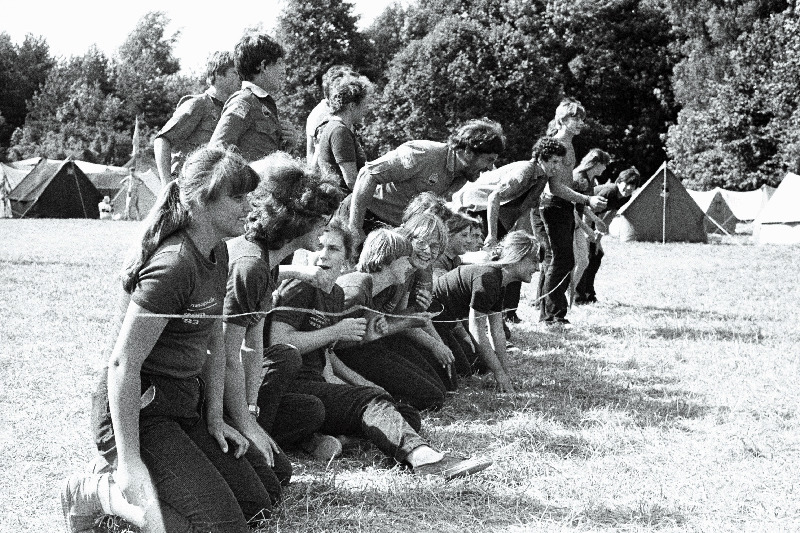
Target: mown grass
{"type": "Point", "coordinates": [671, 406]}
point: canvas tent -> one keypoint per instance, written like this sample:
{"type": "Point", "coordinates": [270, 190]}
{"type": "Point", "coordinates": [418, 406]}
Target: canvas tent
{"type": "Point", "coordinates": [716, 209]}
{"type": "Point", "coordinates": [660, 210]}
{"type": "Point", "coordinates": [107, 179]}
{"type": "Point", "coordinates": [146, 191]}
{"type": "Point", "coordinates": [55, 189]}
{"type": "Point", "coordinates": [779, 221]}
{"type": "Point", "coordinates": [748, 204]}
{"type": "Point", "coordinates": [15, 172]}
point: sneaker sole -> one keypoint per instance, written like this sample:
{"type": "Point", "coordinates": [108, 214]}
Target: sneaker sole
{"type": "Point", "coordinates": [466, 468]}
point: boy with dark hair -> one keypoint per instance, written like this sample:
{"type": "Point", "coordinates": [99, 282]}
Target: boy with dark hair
{"type": "Point", "coordinates": [616, 194]}
{"type": "Point", "coordinates": [384, 187]}
{"type": "Point", "coordinates": [196, 116]}
{"type": "Point", "coordinates": [250, 118]}
{"type": "Point", "coordinates": [321, 112]}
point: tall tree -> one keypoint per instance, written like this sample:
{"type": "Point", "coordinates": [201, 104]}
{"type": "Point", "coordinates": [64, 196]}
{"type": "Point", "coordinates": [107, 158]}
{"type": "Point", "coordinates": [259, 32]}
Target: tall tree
{"type": "Point", "coordinates": [23, 70]}
{"type": "Point", "coordinates": [316, 35]}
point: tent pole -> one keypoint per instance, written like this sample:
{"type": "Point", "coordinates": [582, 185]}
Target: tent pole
{"type": "Point", "coordinates": [664, 208]}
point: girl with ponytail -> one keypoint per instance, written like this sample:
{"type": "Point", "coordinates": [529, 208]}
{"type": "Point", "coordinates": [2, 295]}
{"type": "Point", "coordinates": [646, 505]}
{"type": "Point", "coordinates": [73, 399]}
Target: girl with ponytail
{"type": "Point", "coordinates": [157, 411]}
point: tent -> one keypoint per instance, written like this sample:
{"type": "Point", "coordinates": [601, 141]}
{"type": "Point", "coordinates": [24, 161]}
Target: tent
{"type": "Point", "coordinates": [107, 179]}
{"type": "Point", "coordinates": [779, 221]}
{"type": "Point", "coordinates": [716, 209]}
{"type": "Point", "coordinates": [660, 210]}
{"type": "Point", "coordinates": [147, 187]}
{"type": "Point", "coordinates": [747, 205]}
{"type": "Point", "coordinates": [55, 189]}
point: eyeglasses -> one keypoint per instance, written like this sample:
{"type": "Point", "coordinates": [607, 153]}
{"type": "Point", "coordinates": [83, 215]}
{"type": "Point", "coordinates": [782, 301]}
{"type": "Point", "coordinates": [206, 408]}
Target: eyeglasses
{"type": "Point", "coordinates": [421, 244]}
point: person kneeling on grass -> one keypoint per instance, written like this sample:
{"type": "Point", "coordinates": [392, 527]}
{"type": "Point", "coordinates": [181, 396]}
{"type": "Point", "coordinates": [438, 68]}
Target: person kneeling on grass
{"type": "Point", "coordinates": [291, 207]}
{"type": "Point", "coordinates": [350, 410]}
{"type": "Point", "coordinates": [158, 409]}
{"type": "Point", "coordinates": [476, 291]}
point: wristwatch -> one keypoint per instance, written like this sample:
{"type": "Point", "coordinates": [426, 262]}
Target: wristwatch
{"type": "Point", "coordinates": [254, 410]}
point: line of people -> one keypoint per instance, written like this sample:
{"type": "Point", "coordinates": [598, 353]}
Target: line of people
{"type": "Point", "coordinates": [206, 385]}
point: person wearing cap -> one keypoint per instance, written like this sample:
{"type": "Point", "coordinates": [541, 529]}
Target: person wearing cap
{"type": "Point", "coordinates": [250, 119]}
{"type": "Point", "coordinates": [385, 186]}
{"type": "Point", "coordinates": [196, 117]}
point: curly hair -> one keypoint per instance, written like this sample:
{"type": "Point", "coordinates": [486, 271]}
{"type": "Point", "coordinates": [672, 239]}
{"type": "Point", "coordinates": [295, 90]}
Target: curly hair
{"type": "Point", "coordinates": [546, 148]}
{"type": "Point", "coordinates": [348, 90]}
{"type": "Point", "coordinates": [480, 135]}
{"type": "Point", "coordinates": [290, 200]}
{"type": "Point", "coordinates": [427, 202]}
{"type": "Point", "coordinates": [333, 74]}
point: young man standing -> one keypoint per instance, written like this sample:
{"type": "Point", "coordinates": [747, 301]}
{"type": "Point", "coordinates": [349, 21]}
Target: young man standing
{"type": "Point", "coordinates": [250, 118]}
{"type": "Point", "coordinates": [384, 187]}
{"type": "Point", "coordinates": [196, 117]}
{"type": "Point", "coordinates": [617, 194]}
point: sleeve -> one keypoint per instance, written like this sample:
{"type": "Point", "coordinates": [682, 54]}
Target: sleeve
{"type": "Point", "coordinates": [184, 121]}
{"type": "Point", "coordinates": [486, 293]}
{"type": "Point", "coordinates": [165, 284]}
{"type": "Point", "coordinates": [233, 122]}
{"type": "Point", "coordinates": [294, 293]}
{"type": "Point", "coordinates": [512, 186]}
{"type": "Point", "coordinates": [343, 145]}
{"type": "Point", "coordinates": [247, 291]}
{"type": "Point", "coordinates": [400, 164]}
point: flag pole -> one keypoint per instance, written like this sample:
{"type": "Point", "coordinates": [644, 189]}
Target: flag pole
{"type": "Point", "coordinates": [664, 207]}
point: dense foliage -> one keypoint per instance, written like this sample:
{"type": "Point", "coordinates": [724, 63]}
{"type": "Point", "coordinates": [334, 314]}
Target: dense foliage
{"type": "Point", "coordinates": [713, 84]}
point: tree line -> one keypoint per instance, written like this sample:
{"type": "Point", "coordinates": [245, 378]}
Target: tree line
{"type": "Point", "coordinates": [711, 85]}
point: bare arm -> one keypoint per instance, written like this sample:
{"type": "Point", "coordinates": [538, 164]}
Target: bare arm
{"type": "Point", "coordinates": [163, 152]}
{"type": "Point", "coordinates": [347, 329]}
{"type": "Point", "coordinates": [487, 349]}
{"type": "Point", "coordinates": [559, 186]}
{"type": "Point", "coordinates": [492, 213]}
{"type": "Point", "coordinates": [309, 149]}
{"type": "Point", "coordinates": [363, 191]}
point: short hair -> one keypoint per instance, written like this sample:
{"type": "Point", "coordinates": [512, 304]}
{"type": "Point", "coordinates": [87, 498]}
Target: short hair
{"type": "Point", "coordinates": [423, 226]}
{"type": "Point", "coordinates": [595, 157]}
{"type": "Point", "coordinates": [630, 175]}
{"type": "Point", "coordinates": [333, 74]}
{"type": "Point", "coordinates": [480, 135]}
{"type": "Point", "coordinates": [381, 247]}
{"type": "Point", "coordinates": [340, 226]}
{"type": "Point", "coordinates": [348, 90]}
{"type": "Point", "coordinates": [569, 107]}
{"type": "Point", "coordinates": [427, 202]}
{"type": "Point", "coordinates": [251, 50]}
{"type": "Point", "coordinates": [516, 246]}
{"type": "Point", "coordinates": [288, 202]}
{"type": "Point", "coordinates": [217, 65]}
{"type": "Point", "coordinates": [460, 221]}
{"type": "Point", "coordinates": [546, 148]}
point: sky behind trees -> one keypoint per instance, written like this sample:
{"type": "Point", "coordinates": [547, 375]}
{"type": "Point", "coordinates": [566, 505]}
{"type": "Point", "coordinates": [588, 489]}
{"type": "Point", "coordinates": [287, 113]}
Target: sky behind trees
{"type": "Point", "coordinates": [70, 28]}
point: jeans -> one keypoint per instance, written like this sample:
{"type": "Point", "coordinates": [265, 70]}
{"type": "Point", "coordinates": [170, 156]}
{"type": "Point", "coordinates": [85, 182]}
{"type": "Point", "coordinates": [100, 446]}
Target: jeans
{"type": "Point", "coordinates": [585, 288]}
{"type": "Point", "coordinates": [396, 364]}
{"type": "Point", "coordinates": [288, 417]}
{"type": "Point", "coordinates": [366, 412]}
{"type": "Point", "coordinates": [199, 487]}
{"type": "Point", "coordinates": [555, 230]}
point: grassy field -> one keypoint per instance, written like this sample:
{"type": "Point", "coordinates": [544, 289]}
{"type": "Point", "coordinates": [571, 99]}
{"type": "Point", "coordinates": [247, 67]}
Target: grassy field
{"type": "Point", "coordinates": [673, 405]}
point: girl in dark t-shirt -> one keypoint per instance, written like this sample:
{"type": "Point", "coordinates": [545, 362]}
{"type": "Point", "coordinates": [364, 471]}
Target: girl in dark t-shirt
{"type": "Point", "coordinates": [340, 153]}
{"type": "Point", "coordinates": [157, 411]}
{"type": "Point", "coordinates": [475, 292]}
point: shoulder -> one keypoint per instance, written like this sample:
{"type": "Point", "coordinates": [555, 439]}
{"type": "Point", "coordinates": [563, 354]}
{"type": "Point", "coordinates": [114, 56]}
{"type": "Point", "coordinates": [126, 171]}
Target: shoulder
{"type": "Point", "coordinates": [240, 103]}
{"type": "Point", "coordinates": [240, 247]}
{"type": "Point", "coordinates": [296, 291]}
{"type": "Point", "coordinates": [414, 153]}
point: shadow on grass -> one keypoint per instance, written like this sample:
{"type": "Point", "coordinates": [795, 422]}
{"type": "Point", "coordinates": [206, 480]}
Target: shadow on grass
{"type": "Point", "coordinates": [748, 334]}
{"type": "Point", "coordinates": [655, 311]}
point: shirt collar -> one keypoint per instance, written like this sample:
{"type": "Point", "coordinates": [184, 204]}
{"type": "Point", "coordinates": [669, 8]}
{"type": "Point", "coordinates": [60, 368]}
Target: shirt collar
{"type": "Point", "coordinates": [255, 89]}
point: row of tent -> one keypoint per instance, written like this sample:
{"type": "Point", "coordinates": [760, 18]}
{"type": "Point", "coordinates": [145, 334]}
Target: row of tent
{"type": "Point", "coordinates": [662, 210]}
{"type": "Point", "coordinates": [49, 188]}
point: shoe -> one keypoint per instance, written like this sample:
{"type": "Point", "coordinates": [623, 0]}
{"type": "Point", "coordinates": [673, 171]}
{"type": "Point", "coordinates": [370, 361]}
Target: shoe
{"type": "Point", "coordinates": [557, 324]}
{"type": "Point", "coordinates": [322, 447]}
{"type": "Point", "coordinates": [451, 467]}
{"type": "Point", "coordinates": [512, 318]}
{"type": "Point", "coordinates": [80, 502]}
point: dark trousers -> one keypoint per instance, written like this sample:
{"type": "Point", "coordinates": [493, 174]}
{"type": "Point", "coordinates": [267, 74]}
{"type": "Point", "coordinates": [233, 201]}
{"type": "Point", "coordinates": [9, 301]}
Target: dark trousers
{"type": "Point", "coordinates": [460, 342]}
{"type": "Point", "coordinates": [554, 230]}
{"type": "Point", "coordinates": [396, 364]}
{"type": "Point", "coordinates": [585, 288]}
{"type": "Point", "coordinates": [287, 416]}
{"type": "Point", "coordinates": [514, 289]}
{"type": "Point", "coordinates": [365, 412]}
{"type": "Point", "coordinates": [199, 487]}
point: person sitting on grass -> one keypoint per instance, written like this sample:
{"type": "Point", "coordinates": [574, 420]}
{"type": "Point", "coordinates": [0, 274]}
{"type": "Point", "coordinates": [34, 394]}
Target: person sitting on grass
{"type": "Point", "coordinates": [359, 411]}
{"type": "Point", "coordinates": [291, 207]}
{"type": "Point", "coordinates": [476, 292]}
{"type": "Point", "coordinates": [158, 409]}
{"type": "Point", "coordinates": [459, 242]}
{"type": "Point", "coordinates": [393, 362]}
